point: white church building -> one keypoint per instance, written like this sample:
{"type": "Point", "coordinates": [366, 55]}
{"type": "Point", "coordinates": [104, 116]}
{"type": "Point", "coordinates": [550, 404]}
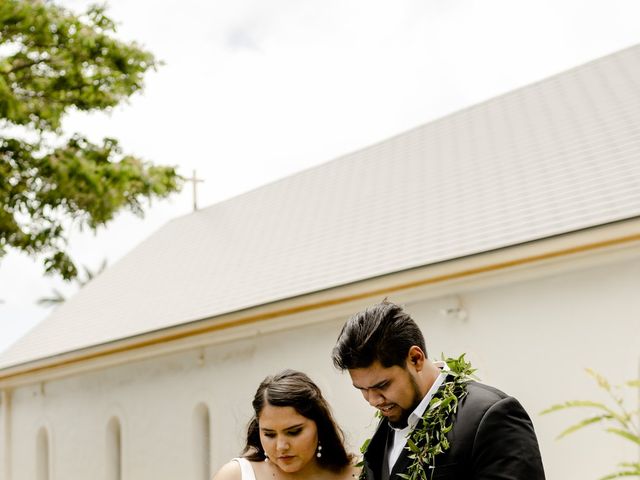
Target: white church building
{"type": "Point", "coordinates": [509, 230]}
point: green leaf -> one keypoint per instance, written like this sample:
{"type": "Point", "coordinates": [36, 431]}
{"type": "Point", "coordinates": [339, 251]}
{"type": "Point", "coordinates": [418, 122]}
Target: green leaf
{"type": "Point", "coordinates": [365, 445]}
{"type": "Point", "coordinates": [575, 403]}
{"type": "Point", "coordinates": [582, 424]}
{"type": "Point", "coordinates": [622, 473]}
{"type": "Point", "coordinates": [602, 382]}
{"type": "Point", "coordinates": [412, 446]}
{"type": "Point", "coordinates": [625, 434]}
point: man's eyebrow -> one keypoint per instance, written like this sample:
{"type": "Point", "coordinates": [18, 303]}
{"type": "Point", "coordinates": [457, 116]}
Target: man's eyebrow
{"type": "Point", "coordinates": [380, 384]}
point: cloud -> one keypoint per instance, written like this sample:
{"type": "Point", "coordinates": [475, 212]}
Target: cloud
{"type": "Point", "coordinates": [241, 39]}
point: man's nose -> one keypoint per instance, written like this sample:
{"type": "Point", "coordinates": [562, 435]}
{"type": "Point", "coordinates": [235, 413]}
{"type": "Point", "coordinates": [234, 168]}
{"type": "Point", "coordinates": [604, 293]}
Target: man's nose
{"type": "Point", "coordinates": [374, 398]}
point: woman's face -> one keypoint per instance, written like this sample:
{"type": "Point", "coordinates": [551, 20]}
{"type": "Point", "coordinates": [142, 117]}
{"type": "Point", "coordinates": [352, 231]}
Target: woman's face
{"type": "Point", "coordinates": [288, 438]}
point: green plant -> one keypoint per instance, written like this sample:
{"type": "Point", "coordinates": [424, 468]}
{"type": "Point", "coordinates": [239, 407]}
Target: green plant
{"type": "Point", "coordinates": [616, 418]}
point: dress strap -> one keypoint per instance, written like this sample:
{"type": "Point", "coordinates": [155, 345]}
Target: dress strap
{"type": "Point", "coordinates": [245, 468]}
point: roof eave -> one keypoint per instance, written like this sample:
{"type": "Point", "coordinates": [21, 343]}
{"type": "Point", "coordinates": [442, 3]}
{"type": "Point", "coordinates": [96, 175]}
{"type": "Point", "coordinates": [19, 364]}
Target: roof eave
{"type": "Point", "coordinates": [622, 236]}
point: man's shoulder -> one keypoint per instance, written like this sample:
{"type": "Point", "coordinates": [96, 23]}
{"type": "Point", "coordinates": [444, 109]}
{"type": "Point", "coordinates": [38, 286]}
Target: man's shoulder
{"type": "Point", "coordinates": [480, 397]}
{"type": "Point", "coordinates": [486, 392]}
{"type": "Point", "coordinates": [483, 400]}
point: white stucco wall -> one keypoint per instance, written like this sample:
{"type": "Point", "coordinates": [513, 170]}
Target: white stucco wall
{"type": "Point", "coordinates": [530, 333]}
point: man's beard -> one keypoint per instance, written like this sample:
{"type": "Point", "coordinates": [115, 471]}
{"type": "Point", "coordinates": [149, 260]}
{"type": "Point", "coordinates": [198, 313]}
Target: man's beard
{"type": "Point", "coordinates": [417, 398]}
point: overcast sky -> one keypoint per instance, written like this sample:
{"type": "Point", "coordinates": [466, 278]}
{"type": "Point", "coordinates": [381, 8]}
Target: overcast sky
{"type": "Point", "coordinates": [255, 90]}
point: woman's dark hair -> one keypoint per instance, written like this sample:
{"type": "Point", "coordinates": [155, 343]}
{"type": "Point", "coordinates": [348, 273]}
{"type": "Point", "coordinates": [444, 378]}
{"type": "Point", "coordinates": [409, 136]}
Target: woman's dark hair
{"type": "Point", "coordinates": [295, 389]}
{"type": "Point", "coordinates": [383, 332]}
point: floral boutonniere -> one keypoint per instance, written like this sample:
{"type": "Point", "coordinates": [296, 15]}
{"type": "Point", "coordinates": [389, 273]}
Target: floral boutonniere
{"type": "Point", "coordinates": [429, 438]}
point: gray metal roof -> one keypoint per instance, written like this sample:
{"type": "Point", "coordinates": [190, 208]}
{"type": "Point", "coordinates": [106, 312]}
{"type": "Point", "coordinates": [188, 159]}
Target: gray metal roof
{"type": "Point", "coordinates": [560, 155]}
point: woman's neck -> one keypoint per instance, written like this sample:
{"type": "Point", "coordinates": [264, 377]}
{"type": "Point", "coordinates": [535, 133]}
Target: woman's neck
{"type": "Point", "coordinates": [311, 470]}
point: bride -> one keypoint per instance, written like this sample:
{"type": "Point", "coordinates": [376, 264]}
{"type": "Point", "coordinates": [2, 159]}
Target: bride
{"type": "Point", "coordinates": [291, 436]}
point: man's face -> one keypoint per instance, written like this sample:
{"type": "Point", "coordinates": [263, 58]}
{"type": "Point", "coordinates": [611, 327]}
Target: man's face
{"type": "Point", "coordinates": [393, 391]}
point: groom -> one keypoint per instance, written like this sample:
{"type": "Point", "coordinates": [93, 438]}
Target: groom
{"type": "Point", "coordinates": [492, 436]}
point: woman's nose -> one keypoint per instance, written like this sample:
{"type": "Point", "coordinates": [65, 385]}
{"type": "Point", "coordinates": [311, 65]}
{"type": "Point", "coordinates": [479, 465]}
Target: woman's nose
{"type": "Point", "coordinates": [283, 444]}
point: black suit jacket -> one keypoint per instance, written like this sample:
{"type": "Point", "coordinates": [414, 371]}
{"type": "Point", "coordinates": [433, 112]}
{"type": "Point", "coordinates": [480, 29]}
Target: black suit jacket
{"type": "Point", "coordinates": [492, 438]}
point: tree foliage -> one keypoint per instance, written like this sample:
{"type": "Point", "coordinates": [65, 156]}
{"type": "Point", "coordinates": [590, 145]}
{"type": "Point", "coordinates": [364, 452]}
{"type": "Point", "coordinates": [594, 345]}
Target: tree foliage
{"type": "Point", "coordinates": [53, 62]}
{"type": "Point", "coordinates": [58, 298]}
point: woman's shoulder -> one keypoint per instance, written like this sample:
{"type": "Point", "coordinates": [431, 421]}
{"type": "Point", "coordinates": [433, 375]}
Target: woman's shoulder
{"type": "Point", "coordinates": [354, 471]}
{"type": "Point", "coordinates": [229, 471]}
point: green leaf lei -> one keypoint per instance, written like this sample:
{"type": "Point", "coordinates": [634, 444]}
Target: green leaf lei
{"type": "Point", "coordinates": [429, 438]}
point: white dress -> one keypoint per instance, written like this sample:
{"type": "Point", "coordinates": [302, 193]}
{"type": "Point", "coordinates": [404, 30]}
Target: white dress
{"type": "Point", "coordinates": [245, 468]}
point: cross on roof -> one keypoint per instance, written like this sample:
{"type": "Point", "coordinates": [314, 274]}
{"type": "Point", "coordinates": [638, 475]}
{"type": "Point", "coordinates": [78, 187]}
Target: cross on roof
{"type": "Point", "coordinates": [194, 181]}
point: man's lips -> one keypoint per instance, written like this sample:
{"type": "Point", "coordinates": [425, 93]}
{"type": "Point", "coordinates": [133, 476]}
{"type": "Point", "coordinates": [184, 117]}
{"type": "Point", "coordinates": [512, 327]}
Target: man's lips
{"type": "Point", "coordinates": [386, 408]}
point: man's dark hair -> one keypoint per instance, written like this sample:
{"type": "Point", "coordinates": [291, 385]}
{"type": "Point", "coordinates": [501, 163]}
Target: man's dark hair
{"type": "Point", "coordinates": [382, 332]}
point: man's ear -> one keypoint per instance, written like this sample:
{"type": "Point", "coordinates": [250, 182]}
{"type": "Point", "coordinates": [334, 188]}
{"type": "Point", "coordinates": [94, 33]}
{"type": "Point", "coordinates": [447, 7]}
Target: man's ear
{"type": "Point", "coordinates": [416, 357]}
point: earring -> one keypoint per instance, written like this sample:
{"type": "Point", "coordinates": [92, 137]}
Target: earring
{"type": "Point", "coordinates": [319, 452]}
{"type": "Point", "coordinates": [266, 459]}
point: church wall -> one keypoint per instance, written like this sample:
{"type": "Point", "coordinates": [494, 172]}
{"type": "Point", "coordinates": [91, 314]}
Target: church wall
{"type": "Point", "coordinates": [530, 335]}
{"type": "Point", "coordinates": [155, 402]}
{"type": "Point", "coordinates": [534, 339]}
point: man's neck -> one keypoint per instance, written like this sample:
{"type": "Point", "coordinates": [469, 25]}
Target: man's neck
{"type": "Point", "coordinates": [428, 376]}
{"type": "Point", "coordinates": [425, 380]}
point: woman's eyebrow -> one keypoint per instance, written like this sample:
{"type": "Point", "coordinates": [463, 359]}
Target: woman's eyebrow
{"type": "Point", "coordinates": [284, 429]}
{"type": "Point", "coordinates": [294, 426]}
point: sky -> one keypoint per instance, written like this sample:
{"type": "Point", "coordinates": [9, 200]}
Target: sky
{"type": "Point", "coordinates": [252, 91]}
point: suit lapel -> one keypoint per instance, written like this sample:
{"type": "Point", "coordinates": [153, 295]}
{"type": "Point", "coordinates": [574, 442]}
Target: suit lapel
{"type": "Point", "coordinates": [377, 451]}
{"type": "Point", "coordinates": [401, 464]}
{"type": "Point", "coordinates": [374, 455]}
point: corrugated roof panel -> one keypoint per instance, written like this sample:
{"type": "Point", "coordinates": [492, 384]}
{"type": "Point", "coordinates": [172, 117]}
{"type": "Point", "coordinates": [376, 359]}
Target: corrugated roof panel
{"type": "Point", "coordinates": [557, 156]}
